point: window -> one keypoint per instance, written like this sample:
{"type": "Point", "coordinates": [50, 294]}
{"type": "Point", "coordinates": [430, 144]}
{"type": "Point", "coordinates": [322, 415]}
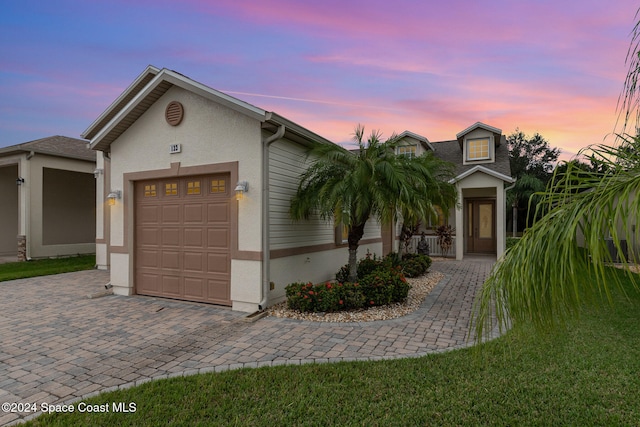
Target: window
{"type": "Point", "coordinates": [218, 186]}
{"type": "Point", "coordinates": [150, 190]}
{"type": "Point", "coordinates": [193, 187]}
{"type": "Point", "coordinates": [407, 150]}
{"type": "Point", "coordinates": [171, 189]}
{"type": "Point", "coordinates": [438, 220]}
{"type": "Point", "coordinates": [478, 149]}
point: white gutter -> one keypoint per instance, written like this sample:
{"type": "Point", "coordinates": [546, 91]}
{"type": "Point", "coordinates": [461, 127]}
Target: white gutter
{"type": "Point", "coordinates": [266, 243]}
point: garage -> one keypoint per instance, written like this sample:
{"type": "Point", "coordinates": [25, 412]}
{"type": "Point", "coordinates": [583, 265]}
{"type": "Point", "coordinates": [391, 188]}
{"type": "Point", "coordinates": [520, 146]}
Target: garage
{"type": "Point", "coordinates": [182, 238]}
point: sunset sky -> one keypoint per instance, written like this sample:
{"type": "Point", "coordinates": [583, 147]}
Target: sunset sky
{"type": "Point", "coordinates": [430, 67]}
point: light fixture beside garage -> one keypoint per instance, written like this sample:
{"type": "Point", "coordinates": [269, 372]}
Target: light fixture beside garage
{"type": "Point", "coordinates": [241, 188]}
{"type": "Point", "coordinates": [113, 196]}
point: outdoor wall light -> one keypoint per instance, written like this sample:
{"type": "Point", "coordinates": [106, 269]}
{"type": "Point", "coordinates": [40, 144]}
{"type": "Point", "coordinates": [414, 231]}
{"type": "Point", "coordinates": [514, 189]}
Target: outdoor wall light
{"type": "Point", "coordinates": [113, 196]}
{"type": "Point", "coordinates": [20, 181]}
{"type": "Point", "coordinates": [97, 173]}
{"type": "Point", "coordinates": [241, 188]}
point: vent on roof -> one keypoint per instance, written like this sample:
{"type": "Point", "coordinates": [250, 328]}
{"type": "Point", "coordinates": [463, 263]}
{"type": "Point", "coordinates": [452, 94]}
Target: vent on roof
{"type": "Point", "coordinates": [174, 113]}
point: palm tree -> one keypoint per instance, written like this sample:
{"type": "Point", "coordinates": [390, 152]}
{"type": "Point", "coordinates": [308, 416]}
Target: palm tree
{"type": "Point", "coordinates": [349, 188]}
{"type": "Point", "coordinates": [562, 259]}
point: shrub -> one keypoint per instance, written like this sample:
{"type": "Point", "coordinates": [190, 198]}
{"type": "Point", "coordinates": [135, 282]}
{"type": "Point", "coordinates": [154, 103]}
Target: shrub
{"type": "Point", "coordinates": [383, 285]}
{"type": "Point", "coordinates": [413, 265]}
{"type": "Point", "coordinates": [364, 267]}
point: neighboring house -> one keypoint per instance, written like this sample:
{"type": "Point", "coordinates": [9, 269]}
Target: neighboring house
{"type": "Point", "coordinates": [174, 152]}
{"type": "Point", "coordinates": [48, 198]}
{"type": "Point", "coordinates": [481, 158]}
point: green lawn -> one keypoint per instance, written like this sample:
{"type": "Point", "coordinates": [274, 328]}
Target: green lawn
{"type": "Point", "coordinates": [44, 267]}
{"type": "Point", "coordinates": [588, 374]}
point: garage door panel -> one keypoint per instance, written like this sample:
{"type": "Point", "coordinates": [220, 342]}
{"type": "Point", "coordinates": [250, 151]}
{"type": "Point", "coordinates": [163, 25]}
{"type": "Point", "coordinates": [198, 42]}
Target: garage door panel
{"type": "Point", "coordinates": [194, 237]}
{"type": "Point", "coordinates": [170, 260]}
{"type": "Point", "coordinates": [218, 212]}
{"type": "Point", "coordinates": [171, 214]}
{"type": "Point", "coordinates": [195, 288]}
{"type": "Point", "coordinates": [183, 238]}
{"type": "Point", "coordinates": [194, 262]}
{"type": "Point", "coordinates": [148, 236]}
{"type": "Point", "coordinates": [218, 238]}
{"type": "Point", "coordinates": [147, 258]}
{"type": "Point", "coordinates": [171, 236]}
{"type": "Point", "coordinates": [218, 263]}
{"type": "Point", "coordinates": [148, 214]}
{"type": "Point", "coordinates": [194, 213]}
{"type": "Point", "coordinates": [217, 290]}
{"type": "Point", "coordinates": [148, 283]}
{"type": "Point", "coordinates": [171, 285]}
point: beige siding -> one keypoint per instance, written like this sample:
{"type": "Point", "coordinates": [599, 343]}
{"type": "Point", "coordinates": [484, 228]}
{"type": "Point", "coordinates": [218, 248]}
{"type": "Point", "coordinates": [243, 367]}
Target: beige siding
{"type": "Point", "coordinates": [286, 163]}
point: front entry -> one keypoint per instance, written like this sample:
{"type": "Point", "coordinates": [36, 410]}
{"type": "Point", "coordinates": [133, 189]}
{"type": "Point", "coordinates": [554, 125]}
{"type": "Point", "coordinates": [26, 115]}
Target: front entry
{"type": "Point", "coordinates": [481, 226]}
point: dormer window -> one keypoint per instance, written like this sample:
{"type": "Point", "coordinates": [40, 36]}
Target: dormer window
{"type": "Point", "coordinates": [478, 149]}
{"type": "Point", "coordinates": [407, 150]}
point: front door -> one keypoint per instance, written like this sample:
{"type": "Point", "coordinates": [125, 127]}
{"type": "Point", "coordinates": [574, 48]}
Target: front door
{"type": "Point", "coordinates": [481, 226]}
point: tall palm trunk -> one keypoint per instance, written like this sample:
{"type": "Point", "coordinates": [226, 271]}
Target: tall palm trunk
{"type": "Point", "coordinates": [355, 234]}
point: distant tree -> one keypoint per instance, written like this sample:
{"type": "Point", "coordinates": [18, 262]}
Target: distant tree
{"type": "Point", "coordinates": [532, 156]}
{"type": "Point", "coordinates": [532, 160]}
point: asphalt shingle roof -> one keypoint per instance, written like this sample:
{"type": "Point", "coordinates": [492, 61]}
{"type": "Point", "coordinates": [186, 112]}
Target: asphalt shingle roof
{"type": "Point", "coordinates": [60, 146]}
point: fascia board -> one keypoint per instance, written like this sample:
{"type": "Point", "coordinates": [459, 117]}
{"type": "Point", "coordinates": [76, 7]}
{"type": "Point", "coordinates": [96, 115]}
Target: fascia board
{"type": "Point", "coordinates": [214, 95]}
{"type": "Point", "coordinates": [150, 69]}
{"type": "Point", "coordinates": [483, 170]}
{"type": "Point", "coordinates": [478, 125]}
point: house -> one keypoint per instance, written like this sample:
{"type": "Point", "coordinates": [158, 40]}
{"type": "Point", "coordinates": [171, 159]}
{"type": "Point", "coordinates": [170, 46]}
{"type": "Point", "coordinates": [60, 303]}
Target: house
{"type": "Point", "coordinates": [481, 159]}
{"type": "Point", "coordinates": [194, 200]}
{"type": "Point", "coordinates": [48, 198]}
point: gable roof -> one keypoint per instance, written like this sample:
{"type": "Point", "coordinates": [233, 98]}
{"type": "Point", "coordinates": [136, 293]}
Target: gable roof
{"type": "Point", "coordinates": [60, 146]}
{"type": "Point", "coordinates": [149, 86]}
{"type": "Point", "coordinates": [497, 133]}
{"type": "Point", "coordinates": [423, 140]}
{"type": "Point", "coordinates": [451, 152]}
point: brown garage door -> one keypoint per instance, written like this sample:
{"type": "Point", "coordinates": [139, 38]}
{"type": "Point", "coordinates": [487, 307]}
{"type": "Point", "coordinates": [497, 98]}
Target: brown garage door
{"type": "Point", "coordinates": [182, 238]}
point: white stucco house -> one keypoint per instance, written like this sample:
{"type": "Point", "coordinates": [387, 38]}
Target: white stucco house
{"type": "Point", "coordinates": [173, 152]}
{"type": "Point", "coordinates": [483, 174]}
{"type": "Point", "coordinates": [176, 156]}
{"type": "Point", "coordinates": [48, 198]}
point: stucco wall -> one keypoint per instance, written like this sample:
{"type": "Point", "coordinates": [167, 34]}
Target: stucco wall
{"type": "Point", "coordinates": [37, 247]}
{"type": "Point", "coordinates": [209, 134]}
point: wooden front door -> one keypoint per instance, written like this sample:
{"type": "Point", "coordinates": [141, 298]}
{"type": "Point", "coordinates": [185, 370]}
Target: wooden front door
{"type": "Point", "coordinates": [481, 226]}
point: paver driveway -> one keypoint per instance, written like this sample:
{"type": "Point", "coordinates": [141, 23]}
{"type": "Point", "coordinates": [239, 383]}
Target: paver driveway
{"type": "Point", "coordinates": [57, 345]}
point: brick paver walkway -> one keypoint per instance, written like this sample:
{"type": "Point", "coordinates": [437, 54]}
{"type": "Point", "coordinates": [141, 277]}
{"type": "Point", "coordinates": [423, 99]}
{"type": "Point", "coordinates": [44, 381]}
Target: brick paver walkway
{"type": "Point", "coordinates": [58, 346]}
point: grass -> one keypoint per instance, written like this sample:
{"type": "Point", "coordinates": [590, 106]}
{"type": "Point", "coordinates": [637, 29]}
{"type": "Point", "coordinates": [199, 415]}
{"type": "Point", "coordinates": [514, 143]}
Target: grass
{"type": "Point", "coordinates": [45, 267]}
{"type": "Point", "coordinates": [586, 374]}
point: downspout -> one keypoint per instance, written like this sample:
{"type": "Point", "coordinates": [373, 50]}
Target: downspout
{"type": "Point", "coordinates": [266, 243]}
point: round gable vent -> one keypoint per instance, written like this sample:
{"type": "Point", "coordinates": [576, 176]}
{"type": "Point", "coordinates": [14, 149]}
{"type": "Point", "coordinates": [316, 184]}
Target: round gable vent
{"type": "Point", "coordinates": [174, 113]}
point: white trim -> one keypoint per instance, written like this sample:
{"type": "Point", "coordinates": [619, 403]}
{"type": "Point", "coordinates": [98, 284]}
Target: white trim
{"type": "Point", "coordinates": [489, 156]}
{"type": "Point", "coordinates": [149, 70]}
{"type": "Point", "coordinates": [483, 170]}
{"type": "Point", "coordinates": [187, 84]}
{"type": "Point", "coordinates": [478, 125]}
{"type": "Point", "coordinates": [417, 137]}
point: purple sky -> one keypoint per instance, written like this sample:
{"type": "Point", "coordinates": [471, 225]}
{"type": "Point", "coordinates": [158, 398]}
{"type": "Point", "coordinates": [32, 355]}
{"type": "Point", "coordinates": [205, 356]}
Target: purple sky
{"type": "Point", "coordinates": [431, 67]}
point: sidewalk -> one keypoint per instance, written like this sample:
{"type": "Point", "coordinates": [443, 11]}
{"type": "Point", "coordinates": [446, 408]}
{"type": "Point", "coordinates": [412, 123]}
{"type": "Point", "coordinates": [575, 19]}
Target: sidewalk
{"type": "Point", "coordinates": [59, 346]}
